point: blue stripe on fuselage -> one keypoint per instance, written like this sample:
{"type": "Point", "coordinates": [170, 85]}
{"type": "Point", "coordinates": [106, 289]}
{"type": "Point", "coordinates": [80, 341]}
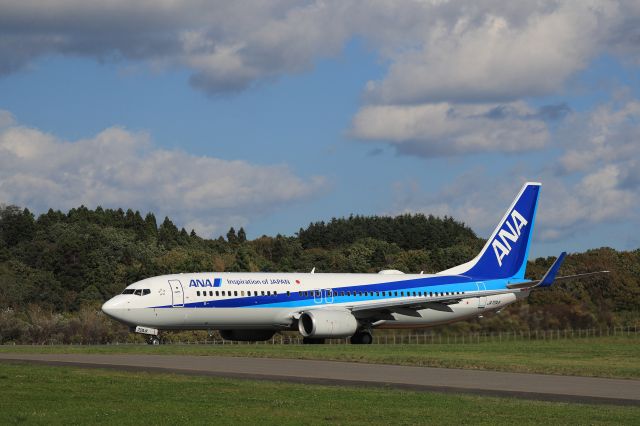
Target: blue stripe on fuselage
{"type": "Point", "coordinates": [428, 284]}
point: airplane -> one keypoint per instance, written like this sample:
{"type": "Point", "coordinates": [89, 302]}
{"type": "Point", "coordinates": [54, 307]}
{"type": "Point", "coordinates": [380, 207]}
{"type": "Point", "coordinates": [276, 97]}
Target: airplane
{"type": "Point", "coordinates": [253, 306]}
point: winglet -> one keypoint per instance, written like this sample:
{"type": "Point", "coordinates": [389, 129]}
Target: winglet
{"type": "Point", "coordinates": [550, 276]}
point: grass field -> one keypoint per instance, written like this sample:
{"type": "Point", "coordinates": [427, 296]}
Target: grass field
{"type": "Point", "coordinates": [600, 357]}
{"type": "Point", "coordinates": [35, 394]}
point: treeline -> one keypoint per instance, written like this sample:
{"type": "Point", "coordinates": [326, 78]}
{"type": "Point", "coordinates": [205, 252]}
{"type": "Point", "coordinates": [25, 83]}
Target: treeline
{"type": "Point", "coordinates": [409, 232]}
{"type": "Point", "coordinates": [67, 263]}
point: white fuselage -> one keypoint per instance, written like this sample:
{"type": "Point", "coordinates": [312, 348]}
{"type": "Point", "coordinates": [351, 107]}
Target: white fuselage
{"type": "Point", "coordinates": [225, 301]}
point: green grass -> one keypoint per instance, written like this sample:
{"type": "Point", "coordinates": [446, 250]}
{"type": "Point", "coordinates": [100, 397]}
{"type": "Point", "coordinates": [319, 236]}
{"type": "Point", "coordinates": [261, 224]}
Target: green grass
{"type": "Point", "coordinates": [36, 394]}
{"type": "Point", "coordinates": [600, 357]}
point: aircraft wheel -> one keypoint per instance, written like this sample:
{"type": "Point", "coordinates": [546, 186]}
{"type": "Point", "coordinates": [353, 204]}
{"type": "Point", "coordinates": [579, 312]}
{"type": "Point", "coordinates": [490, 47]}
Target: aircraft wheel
{"type": "Point", "coordinates": [362, 338]}
{"type": "Point", "coordinates": [153, 340]}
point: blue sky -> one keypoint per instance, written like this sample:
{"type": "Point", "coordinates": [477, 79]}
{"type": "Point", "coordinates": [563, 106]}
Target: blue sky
{"type": "Point", "coordinates": [273, 115]}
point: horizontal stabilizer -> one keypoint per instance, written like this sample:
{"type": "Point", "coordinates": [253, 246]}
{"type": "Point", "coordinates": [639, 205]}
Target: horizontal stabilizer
{"type": "Point", "coordinates": [550, 276]}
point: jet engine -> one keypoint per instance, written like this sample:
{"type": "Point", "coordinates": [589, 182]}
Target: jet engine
{"type": "Point", "coordinates": [327, 323]}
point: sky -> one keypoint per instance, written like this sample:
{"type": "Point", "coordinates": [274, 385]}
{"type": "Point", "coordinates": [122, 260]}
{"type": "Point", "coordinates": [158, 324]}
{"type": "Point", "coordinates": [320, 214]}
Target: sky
{"type": "Point", "coordinates": [270, 115]}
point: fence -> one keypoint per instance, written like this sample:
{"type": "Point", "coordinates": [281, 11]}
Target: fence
{"type": "Point", "coordinates": [433, 338]}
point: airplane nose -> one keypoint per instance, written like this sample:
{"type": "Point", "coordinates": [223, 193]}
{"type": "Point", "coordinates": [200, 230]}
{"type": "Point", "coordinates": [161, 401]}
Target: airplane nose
{"type": "Point", "coordinates": [115, 308]}
{"type": "Point", "coordinates": [108, 308]}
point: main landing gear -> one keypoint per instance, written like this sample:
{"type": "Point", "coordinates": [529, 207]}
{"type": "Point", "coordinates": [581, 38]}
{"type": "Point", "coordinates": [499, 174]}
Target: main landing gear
{"type": "Point", "coordinates": [363, 337]}
{"type": "Point", "coordinates": [153, 340]}
{"type": "Point", "coordinates": [312, 341]}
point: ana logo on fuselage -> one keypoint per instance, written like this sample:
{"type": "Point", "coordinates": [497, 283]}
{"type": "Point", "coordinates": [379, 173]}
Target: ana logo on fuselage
{"type": "Point", "coordinates": [500, 244]}
{"type": "Point", "coordinates": [206, 283]}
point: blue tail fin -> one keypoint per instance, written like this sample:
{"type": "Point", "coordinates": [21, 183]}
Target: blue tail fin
{"type": "Point", "coordinates": [505, 253]}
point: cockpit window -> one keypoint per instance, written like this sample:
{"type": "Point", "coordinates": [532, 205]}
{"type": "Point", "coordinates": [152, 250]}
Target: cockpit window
{"type": "Point", "coordinates": [128, 291]}
{"type": "Point", "coordinates": [146, 291]}
{"type": "Point", "coordinates": [138, 292]}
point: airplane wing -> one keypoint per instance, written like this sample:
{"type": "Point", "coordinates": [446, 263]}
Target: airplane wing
{"type": "Point", "coordinates": [417, 303]}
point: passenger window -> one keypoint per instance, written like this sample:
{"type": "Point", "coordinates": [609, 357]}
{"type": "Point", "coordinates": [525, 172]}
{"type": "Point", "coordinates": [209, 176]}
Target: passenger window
{"type": "Point", "coordinates": [288, 293]}
{"type": "Point", "coordinates": [217, 293]}
{"type": "Point", "coordinates": [198, 293]}
{"type": "Point", "coordinates": [235, 293]}
{"type": "Point", "coordinates": [242, 293]}
{"type": "Point", "coordinates": [275, 293]}
{"type": "Point", "coordinates": [262, 293]}
{"type": "Point", "coordinates": [268, 293]}
{"type": "Point", "coordinates": [223, 293]}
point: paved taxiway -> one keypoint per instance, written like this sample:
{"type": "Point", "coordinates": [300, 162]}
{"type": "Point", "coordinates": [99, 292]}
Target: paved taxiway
{"type": "Point", "coordinates": [534, 386]}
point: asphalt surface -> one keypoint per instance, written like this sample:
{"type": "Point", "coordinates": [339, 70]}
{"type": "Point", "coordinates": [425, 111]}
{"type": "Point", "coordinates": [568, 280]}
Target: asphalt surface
{"type": "Point", "coordinates": [530, 386]}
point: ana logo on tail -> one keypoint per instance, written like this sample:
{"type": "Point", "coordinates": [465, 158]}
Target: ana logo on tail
{"type": "Point", "coordinates": [501, 246]}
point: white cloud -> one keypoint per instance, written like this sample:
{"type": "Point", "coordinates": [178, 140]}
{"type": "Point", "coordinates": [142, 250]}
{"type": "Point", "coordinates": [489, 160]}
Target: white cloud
{"type": "Point", "coordinates": [119, 168]}
{"type": "Point", "coordinates": [610, 133]}
{"type": "Point", "coordinates": [6, 119]}
{"type": "Point", "coordinates": [475, 198]}
{"type": "Point", "coordinates": [227, 45]}
{"type": "Point", "coordinates": [438, 51]}
{"type": "Point", "coordinates": [486, 54]}
{"type": "Point", "coordinates": [473, 59]}
{"type": "Point", "coordinates": [445, 129]}
{"type": "Point", "coordinates": [594, 181]}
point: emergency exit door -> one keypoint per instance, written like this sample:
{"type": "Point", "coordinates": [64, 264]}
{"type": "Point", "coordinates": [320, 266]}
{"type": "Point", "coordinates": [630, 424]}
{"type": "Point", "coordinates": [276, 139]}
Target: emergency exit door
{"type": "Point", "coordinates": [177, 293]}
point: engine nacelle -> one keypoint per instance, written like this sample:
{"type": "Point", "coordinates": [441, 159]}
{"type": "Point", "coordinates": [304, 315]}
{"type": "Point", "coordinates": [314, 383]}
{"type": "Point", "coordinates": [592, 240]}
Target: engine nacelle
{"type": "Point", "coordinates": [247, 335]}
{"type": "Point", "coordinates": [327, 323]}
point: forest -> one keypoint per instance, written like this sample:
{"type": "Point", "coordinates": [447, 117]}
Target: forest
{"type": "Point", "coordinates": [56, 269]}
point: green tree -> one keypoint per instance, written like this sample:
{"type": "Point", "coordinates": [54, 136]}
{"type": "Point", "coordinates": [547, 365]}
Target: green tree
{"type": "Point", "coordinates": [168, 233]}
{"type": "Point", "coordinates": [231, 236]}
{"type": "Point", "coordinates": [16, 225]}
{"type": "Point", "coordinates": [242, 236]}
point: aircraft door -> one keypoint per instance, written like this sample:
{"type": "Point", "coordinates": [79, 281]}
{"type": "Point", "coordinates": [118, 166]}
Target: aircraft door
{"type": "Point", "coordinates": [317, 296]}
{"type": "Point", "coordinates": [328, 295]}
{"type": "Point", "coordinates": [177, 293]}
{"type": "Point", "coordinates": [482, 301]}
